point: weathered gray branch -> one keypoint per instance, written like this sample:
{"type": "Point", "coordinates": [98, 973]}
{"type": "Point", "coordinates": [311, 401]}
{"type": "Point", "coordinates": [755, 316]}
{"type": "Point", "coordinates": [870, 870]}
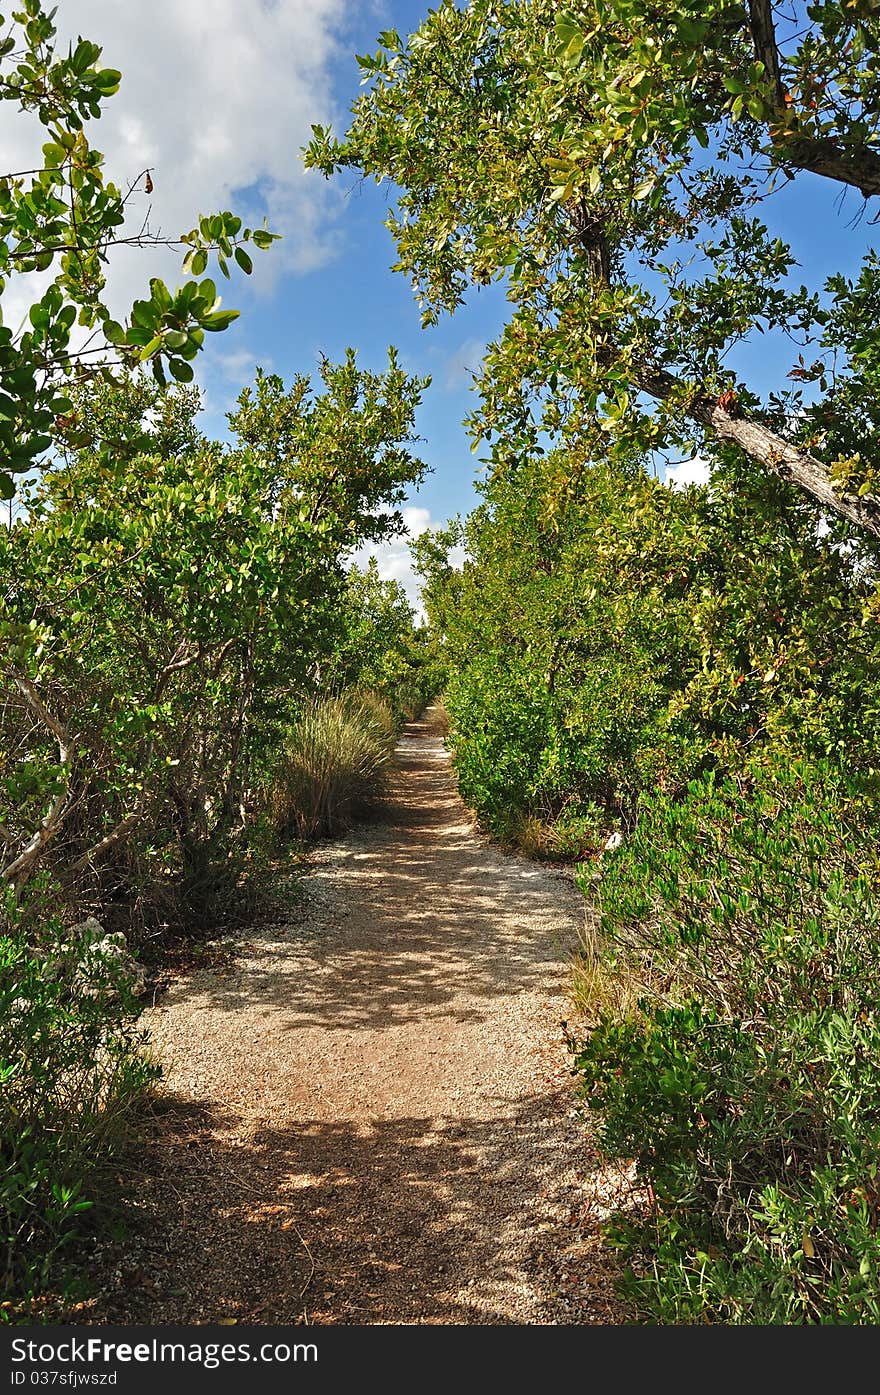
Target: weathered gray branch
{"type": "Point", "coordinates": [770, 449]}
{"type": "Point", "coordinates": [116, 835]}
{"type": "Point", "coordinates": [21, 866]}
{"type": "Point", "coordinates": [857, 164]}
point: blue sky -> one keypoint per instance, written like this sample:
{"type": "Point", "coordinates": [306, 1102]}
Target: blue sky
{"type": "Point", "coordinates": [354, 299]}
{"type": "Point", "coordinates": [217, 101]}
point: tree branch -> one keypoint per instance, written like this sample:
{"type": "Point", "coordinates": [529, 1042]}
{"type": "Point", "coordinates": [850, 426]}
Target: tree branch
{"type": "Point", "coordinates": [857, 165]}
{"type": "Point", "coordinates": [764, 40]}
{"type": "Point", "coordinates": [116, 835]}
{"type": "Point", "coordinates": [768, 448]}
{"type": "Point", "coordinates": [21, 867]}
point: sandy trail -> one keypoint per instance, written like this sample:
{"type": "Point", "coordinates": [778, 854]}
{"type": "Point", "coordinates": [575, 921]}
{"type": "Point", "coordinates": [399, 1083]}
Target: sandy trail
{"type": "Point", "coordinates": [368, 1118]}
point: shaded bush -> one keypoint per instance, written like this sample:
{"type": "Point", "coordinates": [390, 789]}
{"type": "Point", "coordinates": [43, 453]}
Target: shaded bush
{"type": "Point", "coordinates": [746, 1081]}
{"type": "Point", "coordinates": [578, 830]}
{"type": "Point", "coordinates": [334, 764]}
{"type": "Point", "coordinates": [72, 1070]}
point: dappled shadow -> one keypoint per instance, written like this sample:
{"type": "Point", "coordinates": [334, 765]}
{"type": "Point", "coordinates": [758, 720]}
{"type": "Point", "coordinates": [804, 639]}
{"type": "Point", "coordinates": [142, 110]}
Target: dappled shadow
{"type": "Point", "coordinates": [425, 919]}
{"type": "Point", "coordinates": [407, 1220]}
{"type": "Point", "coordinates": [371, 1120]}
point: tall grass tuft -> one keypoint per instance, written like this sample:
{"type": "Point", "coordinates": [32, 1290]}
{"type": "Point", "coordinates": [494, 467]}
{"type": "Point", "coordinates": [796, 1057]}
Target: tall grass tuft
{"type": "Point", "coordinates": [335, 764]}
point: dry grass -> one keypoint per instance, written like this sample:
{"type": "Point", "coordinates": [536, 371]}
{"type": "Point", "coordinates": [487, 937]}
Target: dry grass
{"type": "Point", "coordinates": [568, 836]}
{"type": "Point", "coordinates": [334, 766]}
{"type": "Point", "coordinates": [439, 718]}
{"type": "Point", "coordinates": [599, 987]}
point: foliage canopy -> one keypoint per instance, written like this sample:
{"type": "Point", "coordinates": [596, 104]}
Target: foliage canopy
{"type": "Point", "coordinates": [613, 162]}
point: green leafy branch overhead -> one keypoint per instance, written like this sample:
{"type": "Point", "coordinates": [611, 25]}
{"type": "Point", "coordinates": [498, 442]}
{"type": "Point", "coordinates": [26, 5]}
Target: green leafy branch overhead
{"type": "Point", "coordinates": [64, 217]}
{"type": "Point", "coordinates": [611, 163]}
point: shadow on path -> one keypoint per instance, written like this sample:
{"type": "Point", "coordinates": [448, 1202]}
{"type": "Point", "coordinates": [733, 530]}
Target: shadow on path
{"type": "Point", "coordinates": [396, 1221]}
{"type": "Point", "coordinates": [368, 1117]}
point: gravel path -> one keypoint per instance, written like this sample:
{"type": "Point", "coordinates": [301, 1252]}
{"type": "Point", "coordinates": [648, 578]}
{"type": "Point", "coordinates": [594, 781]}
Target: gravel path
{"type": "Point", "coordinates": [368, 1117]}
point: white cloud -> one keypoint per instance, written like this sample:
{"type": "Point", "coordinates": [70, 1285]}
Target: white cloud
{"type": "Point", "coordinates": [239, 367]}
{"type": "Point", "coordinates": [417, 520]}
{"type": "Point", "coordinates": [463, 364]}
{"type": "Point", "coordinates": [687, 472]}
{"type": "Point", "coordinates": [217, 99]}
{"type": "Point", "coordinates": [394, 557]}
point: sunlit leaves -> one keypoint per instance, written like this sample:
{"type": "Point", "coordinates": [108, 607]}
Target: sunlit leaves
{"type": "Point", "coordinates": [604, 160]}
{"type": "Point", "coordinates": [66, 218]}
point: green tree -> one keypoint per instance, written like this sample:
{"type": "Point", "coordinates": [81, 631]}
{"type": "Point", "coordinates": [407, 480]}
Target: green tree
{"type": "Point", "coordinates": [163, 616]}
{"type": "Point", "coordinates": [342, 457]}
{"type": "Point", "coordinates": [611, 163]}
{"type": "Point", "coordinates": [381, 648]}
{"type": "Point", "coordinates": [607, 635]}
{"type": "Point", "coordinates": [64, 218]}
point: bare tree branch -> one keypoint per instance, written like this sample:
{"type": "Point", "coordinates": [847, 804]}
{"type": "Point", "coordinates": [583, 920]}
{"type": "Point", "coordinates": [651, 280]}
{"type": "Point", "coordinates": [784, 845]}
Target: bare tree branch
{"type": "Point", "coordinates": [21, 867]}
{"type": "Point", "coordinates": [788, 461]}
{"type": "Point", "coordinates": [116, 835]}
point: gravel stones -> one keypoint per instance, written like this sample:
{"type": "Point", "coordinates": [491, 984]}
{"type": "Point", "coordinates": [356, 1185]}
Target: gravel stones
{"type": "Point", "coordinates": [369, 1117]}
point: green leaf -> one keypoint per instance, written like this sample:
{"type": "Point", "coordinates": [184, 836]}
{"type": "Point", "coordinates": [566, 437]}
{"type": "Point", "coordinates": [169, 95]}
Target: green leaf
{"type": "Point", "coordinates": [561, 193]}
{"type": "Point", "coordinates": [160, 294]}
{"type": "Point", "coordinates": [218, 320]}
{"type": "Point", "coordinates": [145, 314]}
{"type": "Point", "coordinates": [151, 347]}
{"type": "Point", "coordinates": [108, 79]}
{"type": "Point", "coordinates": [208, 292]}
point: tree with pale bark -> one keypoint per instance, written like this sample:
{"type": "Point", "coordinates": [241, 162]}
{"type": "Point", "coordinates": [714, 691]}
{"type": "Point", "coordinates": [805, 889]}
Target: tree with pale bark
{"type": "Point", "coordinates": [614, 163]}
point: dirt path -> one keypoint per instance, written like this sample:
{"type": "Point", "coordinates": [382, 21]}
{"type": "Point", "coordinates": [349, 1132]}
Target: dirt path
{"type": "Point", "coordinates": [369, 1118]}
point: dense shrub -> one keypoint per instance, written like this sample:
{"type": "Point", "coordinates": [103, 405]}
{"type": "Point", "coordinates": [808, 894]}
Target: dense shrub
{"type": "Point", "coordinates": [162, 618]}
{"type": "Point", "coordinates": [380, 649]}
{"type": "Point", "coordinates": [565, 635]}
{"type": "Point", "coordinates": [72, 1069]}
{"type": "Point", "coordinates": [746, 1081]}
{"type": "Point", "coordinates": [607, 635]}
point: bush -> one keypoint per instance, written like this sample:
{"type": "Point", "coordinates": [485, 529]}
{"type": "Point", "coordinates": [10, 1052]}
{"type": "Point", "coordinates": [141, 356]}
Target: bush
{"type": "Point", "coordinates": [746, 1082]}
{"type": "Point", "coordinates": [606, 635]}
{"type": "Point", "coordinates": [380, 648]}
{"type": "Point", "coordinates": [72, 1070]}
{"type": "Point", "coordinates": [334, 764]}
{"type": "Point", "coordinates": [162, 613]}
